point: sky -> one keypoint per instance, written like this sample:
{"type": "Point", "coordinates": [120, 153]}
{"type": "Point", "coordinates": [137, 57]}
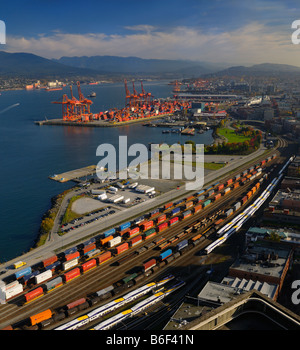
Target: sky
{"type": "Point", "coordinates": [234, 32]}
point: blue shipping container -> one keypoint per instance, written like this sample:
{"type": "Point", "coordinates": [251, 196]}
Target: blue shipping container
{"type": "Point", "coordinates": [165, 254]}
{"type": "Point", "coordinates": [70, 251]}
{"type": "Point", "coordinates": [90, 241]}
{"type": "Point", "coordinates": [53, 266]}
{"type": "Point", "coordinates": [187, 213]}
{"type": "Point", "coordinates": [175, 211]}
{"type": "Point", "coordinates": [24, 272]}
{"type": "Point", "coordinates": [110, 232]}
{"type": "Point", "coordinates": [182, 244]}
{"type": "Point", "coordinates": [200, 192]}
{"type": "Point", "coordinates": [125, 226]}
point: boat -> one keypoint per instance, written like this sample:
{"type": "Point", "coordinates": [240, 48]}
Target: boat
{"type": "Point", "coordinates": [53, 88]}
{"type": "Point", "coordinates": [92, 94]}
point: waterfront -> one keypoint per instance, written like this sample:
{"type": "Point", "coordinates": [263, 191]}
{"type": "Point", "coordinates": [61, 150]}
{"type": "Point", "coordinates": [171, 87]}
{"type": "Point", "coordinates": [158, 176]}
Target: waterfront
{"type": "Point", "coordinates": [30, 153]}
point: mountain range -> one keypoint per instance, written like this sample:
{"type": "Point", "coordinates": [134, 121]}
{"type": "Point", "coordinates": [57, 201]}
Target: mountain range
{"type": "Point", "coordinates": [32, 66]}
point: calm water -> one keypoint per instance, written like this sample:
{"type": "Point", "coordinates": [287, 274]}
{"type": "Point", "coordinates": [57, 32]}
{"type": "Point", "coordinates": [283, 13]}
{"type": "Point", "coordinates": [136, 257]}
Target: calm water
{"type": "Point", "coordinates": [30, 153]}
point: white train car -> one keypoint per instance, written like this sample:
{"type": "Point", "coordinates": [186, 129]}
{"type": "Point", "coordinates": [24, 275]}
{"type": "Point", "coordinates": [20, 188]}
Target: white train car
{"type": "Point", "coordinates": [112, 321]}
{"type": "Point", "coordinates": [74, 324]}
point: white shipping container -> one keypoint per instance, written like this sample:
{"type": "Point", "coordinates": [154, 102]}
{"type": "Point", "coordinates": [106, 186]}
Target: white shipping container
{"type": "Point", "coordinates": [116, 199]}
{"type": "Point", "coordinates": [102, 197]}
{"type": "Point", "coordinates": [12, 285]}
{"type": "Point", "coordinates": [68, 264]}
{"type": "Point", "coordinates": [133, 185]}
{"type": "Point", "coordinates": [114, 241]}
{"type": "Point", "coordinates": [126, 200]}
{"type": "Point", "coordinates": [14, 291]}
{"type": "Point", "coordinates": [43, 276]}
{"type": "Point", "coordinates": [98, 192]}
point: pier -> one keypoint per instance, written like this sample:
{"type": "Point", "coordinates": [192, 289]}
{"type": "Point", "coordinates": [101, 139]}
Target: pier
{"type": "Point", "coordinates": [74, 174]}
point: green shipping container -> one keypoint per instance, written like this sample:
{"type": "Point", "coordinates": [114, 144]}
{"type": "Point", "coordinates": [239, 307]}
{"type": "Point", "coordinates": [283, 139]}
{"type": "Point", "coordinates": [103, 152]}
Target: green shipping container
{"type": "Point", "coordinates": [149, 232]}
{"type": "Point", "coordinates": [206, 203]}
{"type": "Point", "coordinates": [129, 278]}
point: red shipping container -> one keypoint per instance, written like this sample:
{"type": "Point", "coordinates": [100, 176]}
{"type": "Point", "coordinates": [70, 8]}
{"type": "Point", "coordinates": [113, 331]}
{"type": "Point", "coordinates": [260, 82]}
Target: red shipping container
{"type": "Point", "coordinates": [72, 256]}
{"type": "Point", "coordinates": [236, 185]}
{"type": "Point", "coordinates": [122, 233]}
{"type": "Point", "coordinates": [134, 231]}
{"type": "Point", "coordinates": [218, 196]}
{"type": "Point", "coordinates": [220, 187]}
{"type": "Point", "coordinates": [169, 205]}
{"type": "Point", "coordinates": [162, 227]}
{"type": "Point", "coordinates": [88, 248]}
{"type": "Point", "coordinates": [148, 225]}
{"type": "Point", "coordinates": [72, 274]}
{"type": "Point", "coordinates": [104, 257]}
{"type": "Point", "coordinates": [34, 294]}
{"type": "Point", "coordinates": [136, 240]}
{"type": "Point", "coordinates": [50, 260]}
{"type": "Point", "coordinates": [189, 198]}
{"type": "Point", "coordinates": [229, 182]}
{"type": "Point", "coordinates": [121, 248]}
{"type": "Point", "coordinates": [174, 221]}
{"type": "Point", "coordinates": [197, 208]}
{"type": "Point", "coordinates": [244, 199]}
{"type": "Point", "coordinates": [161, 218]}
{"type": "Point", "coordinates": [149, 264]}
{"type": "Point", "coordinates": [88, 265]}
{"type": "Point", "coordinates": [76, 303]}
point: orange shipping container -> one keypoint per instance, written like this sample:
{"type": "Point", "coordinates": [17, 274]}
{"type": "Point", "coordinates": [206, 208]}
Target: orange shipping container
{"type": "Point", "coordinates": [42, 316]}
{"type": "Point", "coordinates": [88, 265]}
{"type": "Point", "coordinates": [72, 274]}
{"type": "Point", "coordinates": [106, 239]}
{"type": "Point", "coordinates": [104, 257]}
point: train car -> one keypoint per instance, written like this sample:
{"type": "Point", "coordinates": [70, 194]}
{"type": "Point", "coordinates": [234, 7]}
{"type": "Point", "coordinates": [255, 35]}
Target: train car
{"type": "Point", "coordinates": [186, 214]}
{"type": "Point", "coordinates": [162, 226]}
{"type": "Point", "coordinates": [75, 303]}
{"type": "Point", "coordinates": [168, 205]}
{"type": "Point", "coordinates": [228, 212]}
{"type": "Point", "coordinates": [149, 264]}
{"type": "Point", "coordinates": [69, 264]}
{"type": "Point", "coordinates": [181, 245]}
{"type": "Point", "coordinates": [133, 232]}
{"type": "Point", "coordinates": [23, 272]}
{"type": "Point", "coordinates": [147, 225]}
{"type": "Point", "coordinates": [89, 265]}
{"type": "Point", "coordinates": [188, 205]}
{"type": "Point", "coordinates": [165, 254]}
{"type": "Point", "coordinates": [71, 275]}
{"type": "Point", "coordinates": [105, 240]}
{"type": "Point", "coordinates": [121, 248]}
{"type": "Point", "coordinates": [249, 194]}
{"type": "Point", "coordinates": [72, 256]}
{"type": "Point", "coordinates": [229, 182]}
{"type": "Point", "coordinates": [161, 219]}
{"type": "Point", "coordinates": [197, 208]}
{"type": "Point", "coordinates": [110, 232]}
{"type": "Point", "coordinates": [206, 203]}
{"type": "Point", "coordinates": [135, 240]}
{"type": "Point", "coordinates": [220, 187]}
{"type": "Point", "coordinates": [113, 242]}
{"type": "Point", "coordinates": [124, 226]}
{"type": "Point", "coordinates": [34, 294]}
{"type": "Point", "coordinates": [174, 221]}
{"type": "Point", "coordinates": [149, 233]}
{"type": "Point", "coordinates": [217, 196]}
{"type": "Point", "coordinates": [104, 257]}
{"type": "Point", "coordinates": [243, 180]}
{"type": "Point", "coordinates": [175, 211]}
{"type": "Point", "coordinates": [42, 277]}
{"type": "Point", "coordinates": [74, 324]}
{"type": "Point", "coordinates": [154, 213]}
{"type": "Point", "coordinates": [42, 316]}
{"type": "Point", "coordinates": [49, 261]}
{"type": "Point", "coordinates": [89, 248]}
{"type": "Point", "coordinates": [53, 284]}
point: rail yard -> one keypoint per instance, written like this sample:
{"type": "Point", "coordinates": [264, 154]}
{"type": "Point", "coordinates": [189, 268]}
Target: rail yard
{"type": "Point", "coordinates": [148, 255]}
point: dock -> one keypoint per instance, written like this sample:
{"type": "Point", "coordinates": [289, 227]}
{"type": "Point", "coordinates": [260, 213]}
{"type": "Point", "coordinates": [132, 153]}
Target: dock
{"type": "Point", "coordinates": [74, 174]}
{"type": "Point", "coordinates": [188, 131]}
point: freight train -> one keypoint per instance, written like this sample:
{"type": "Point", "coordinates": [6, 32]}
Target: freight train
{"type": "Point", "coordinates": [53, 272]}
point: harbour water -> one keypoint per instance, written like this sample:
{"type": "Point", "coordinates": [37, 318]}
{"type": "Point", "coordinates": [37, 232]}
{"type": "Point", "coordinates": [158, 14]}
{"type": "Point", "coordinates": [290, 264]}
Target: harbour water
{"type": "Point", "coordinates": [30, 153]}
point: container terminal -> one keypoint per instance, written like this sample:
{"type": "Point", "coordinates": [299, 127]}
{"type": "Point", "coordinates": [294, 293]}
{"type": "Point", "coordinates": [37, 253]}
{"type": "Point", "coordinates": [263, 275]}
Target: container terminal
{"type": "Point", "coordinates": [138, 106]}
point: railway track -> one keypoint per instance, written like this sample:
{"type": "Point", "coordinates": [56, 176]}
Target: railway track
{"type": "Point", "coordinates": [102, 276]}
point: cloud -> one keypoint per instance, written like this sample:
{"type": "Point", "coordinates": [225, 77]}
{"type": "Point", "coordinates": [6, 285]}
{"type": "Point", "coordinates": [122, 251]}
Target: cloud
{"type": "Point", "coordinates": [252, 43]}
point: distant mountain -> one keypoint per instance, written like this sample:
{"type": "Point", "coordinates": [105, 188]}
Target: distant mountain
{"type": "Point", "coordinates": [33, 66]}
{"type": "Point", "coordinates": [139, 66]}
{"type": "Point", "coordinates": [269, 69]}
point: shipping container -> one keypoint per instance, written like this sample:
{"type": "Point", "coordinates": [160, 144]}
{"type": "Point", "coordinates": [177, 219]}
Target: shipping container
{"type": "Point", "coordinates": [162, 226]}
{"type": "Point", "coordinates": [229, 212]}
{"type": "Point", "coordinates": [124, 226]}
{"type": "Point", "coordinates": [42, 316]}
{"type": "Point", "coordinates": [165, 254]}
{"type": "Point", "coordinates": [34, 294]}
{"type": "Point", "coordinates": [104, 257]}
{"type": "Point", "coordinates": [220, 187]}
{"type": "Point", "coordinates": [88, 265]}
{"type": "Point", "coordinates": [135, 231]}
{"type": "Point", "coordinates": [70, 251]}
{"type": "Point", "coordinates": [104, 241]}
{"type": "Point", "coordinates": [149, 233]}
{"type": "Point", "coordinates": [197, 208]}
{"type": "Point", "coordinates": [113, 242]}
{"type": "Point", "coordinates": [87, 249]}
{"type": "Point", "coordinates": [228, 182]}
{"type": "Point", "coordinates": [147, 225]}
{"type": "Point", "coordinates": [56, 282]}
{"type": "Point", "coordinates": [227, 190]}
{"type": "Point", "coordinates": [68, 276]}
{"type": "Point", "coordinates": [169, 205]}
{"type": "Point", "coordinates": [149, 264]}
{"type": "Point", "coordinates": [249, 194]}
{"type": "Point", "coordinates": [12, 292]}
{"type": "Point", "coordinates": [236, 206]}
{"type": "Point", "coordinates": [49, 261]}
{"type": "Point", "coordinates": [186, 214]}
{"type": "Point", "coordinates": [75, 303]}
{"type": "Point", "coordinates": [54, 267]}
{"type": "Point", "coordinates": [136, 240]}
{"type": "Point", "coordinates": [110, 232]}
{"type": "Point", "coordinates": [206, 203]}
{"type": "Point", "coordinates": [189, 205]}
{"type": "Point", "coordinates": [210, 193]}
{"type": "Point", "coordinates": [154, 213]}
{"type": "Point", "coordinates": [182, 244]}
{"type": "Point", "coordinates": [72, 256]}
{"type": "Point", "coordinates": [121, 248]}
{"type": "Point", "coordinates": [139, 220]}
{"type": "Point", "coordinates": [190, 198]}
{"type": "Point", "coordinates": [243, 180]}
{"type": "Point", "coordinates": [23, 272]}
{"type": "Point", "coordinates": [244, 199]}
{"type": "Point", "coordinates": [42, 277]}
{"type": "Point", "coordinates": [129, 278]}
{"type": "Point", "coordinates": [161, 219]}
{"type": "Point", "coordinates": [174, 221]}
{"type": "Point", "coordinates": [217, 196]}
{"type": "Point", "coordinates": [175, 211]}
{"type": "Point", "coordinates": [68, 264]}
